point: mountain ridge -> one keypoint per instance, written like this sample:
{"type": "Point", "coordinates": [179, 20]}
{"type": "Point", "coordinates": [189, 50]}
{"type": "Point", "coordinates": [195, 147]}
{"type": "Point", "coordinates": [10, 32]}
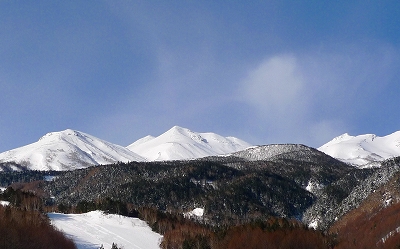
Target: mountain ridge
{"type": "Point", "coordinates": [366, 150]}
{"type": "Point", "coordinates": [66, 150]}
{"type": "Point", "coordinates": [71, 149]}
{"type": "Point", "coordinates": [181, 143]}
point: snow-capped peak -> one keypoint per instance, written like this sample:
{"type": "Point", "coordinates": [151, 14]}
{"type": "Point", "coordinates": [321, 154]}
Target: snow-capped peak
{"type": "Point", "coordinates": [176, 133]}
{"type": "Point", "coordinates": [343, 137]}
{"type": "Point", "coordinates": [181, 143]}
{"type": "Point", "coordinates": [59, 134]}
{"type": "Point", "coordinates": [366, 150]}
{"type": "Point", "coordinates": [141, 140]}
{"type": "Point", "coordinates": [66, 150]}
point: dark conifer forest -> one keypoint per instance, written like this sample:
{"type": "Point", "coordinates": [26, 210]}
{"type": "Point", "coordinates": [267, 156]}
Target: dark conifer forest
{"type": "Point", "coordinates": [247, 203]}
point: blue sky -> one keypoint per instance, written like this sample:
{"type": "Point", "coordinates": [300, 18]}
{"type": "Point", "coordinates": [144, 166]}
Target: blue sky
{"type": "Point", "coordinates": [263, 71]}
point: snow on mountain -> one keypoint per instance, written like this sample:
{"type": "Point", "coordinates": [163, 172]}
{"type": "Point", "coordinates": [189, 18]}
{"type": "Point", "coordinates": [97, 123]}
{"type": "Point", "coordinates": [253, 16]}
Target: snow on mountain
{"type": "Point", "coordinates": [68, 150]}
{"type": "Point", "coordinates": [362, 151]}
{"type": "Point", "coordinates": [141, 141]}
{"type": "Point", "coordinates": [93, 229]}
{"type": "Point", "coordinates": [267, 152]}
{"type": "Point", "coordinates": [181, 143]}
{"type": "Point", "coordinates": [197, 212]}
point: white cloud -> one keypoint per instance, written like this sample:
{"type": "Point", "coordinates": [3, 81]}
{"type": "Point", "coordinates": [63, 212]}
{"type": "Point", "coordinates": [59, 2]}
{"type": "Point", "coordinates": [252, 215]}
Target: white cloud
{"type": "Point", "coordinates": [275, 85]}
{"type": "Point", "coordinates": [276, 91]}
{"type": "Point", "coordinates": [310, 98]}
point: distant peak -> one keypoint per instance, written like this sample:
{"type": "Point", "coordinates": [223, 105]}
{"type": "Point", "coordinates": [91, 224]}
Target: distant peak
{"type": "Point", "coordinates": [58, 134]}
{"type": "Point", "coordinates": [178, 131]}
{"type": "Point", "coordinates": [343, 137]}
{"type": "Point", "coordinates": [178, 128]}
{"type": "Point", "coordinates": [70, 132]}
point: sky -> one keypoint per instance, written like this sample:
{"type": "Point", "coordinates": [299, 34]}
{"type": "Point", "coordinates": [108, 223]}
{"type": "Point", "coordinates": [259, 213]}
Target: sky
{"type": "Point", "coordinates": [263, 71]}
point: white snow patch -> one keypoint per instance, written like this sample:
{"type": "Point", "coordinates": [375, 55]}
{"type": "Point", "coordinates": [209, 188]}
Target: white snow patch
{"type": "Point", "coordinates": [390, 234]}
{"type": "Point", "coordinates": [309, 186]}
{"type": "Point", "coordinates": [313, 224]}
{"type": "Point", "coordinates": [313, 186]}
{"type": "Point", "coordinates": [388, 202]}
{"type": "Point", "coordinates": [4, 203]}
{"type": "Point", "coordinates": [93, 229]}
{"type": "Point", "coordinates": [197, 212]}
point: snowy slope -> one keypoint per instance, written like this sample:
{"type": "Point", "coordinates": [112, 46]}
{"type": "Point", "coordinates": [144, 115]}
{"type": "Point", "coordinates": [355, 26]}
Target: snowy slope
{"type": "Point", "coordinates": [68, 150]}
{"type": "Point", "coordinates": [364, 150]}
{"type": "Point", "coordinates": [268, 152]}
{"type": "Point", "coordinates": [93, 229]}
{"type": "Point", "coordinates": [181, 143]}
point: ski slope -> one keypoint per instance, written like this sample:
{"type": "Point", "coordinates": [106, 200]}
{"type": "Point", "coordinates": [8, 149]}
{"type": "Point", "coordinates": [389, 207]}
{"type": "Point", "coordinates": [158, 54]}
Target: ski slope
{"type": "Point", "coordinates": [93, 229]}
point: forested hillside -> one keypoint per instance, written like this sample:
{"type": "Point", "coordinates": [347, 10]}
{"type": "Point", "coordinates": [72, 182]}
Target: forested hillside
{"type": "Point", "coordinates": [277, 197]}
{"type": "Point", "coordinates": [24, 225]}
{"type": "Point", "coordinates": [230, 190]}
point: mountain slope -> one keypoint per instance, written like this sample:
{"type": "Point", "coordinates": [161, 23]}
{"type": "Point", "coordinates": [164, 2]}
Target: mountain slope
{"type": "Point", "coordinates": [68, 150]}
{"type": "Point", "coordinates": [364, 150]}
{"type": "Point", "coordinates": [277, 151]}
{"type": "Point", "coordinates": [180, 143]}
{"type": "Point", "coordinates": [374, 221]}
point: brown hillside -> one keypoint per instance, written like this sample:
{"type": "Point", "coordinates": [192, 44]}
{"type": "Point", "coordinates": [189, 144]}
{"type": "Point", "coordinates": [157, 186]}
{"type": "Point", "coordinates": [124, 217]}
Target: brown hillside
{"type": "Point", "coordinates": [375, 223]}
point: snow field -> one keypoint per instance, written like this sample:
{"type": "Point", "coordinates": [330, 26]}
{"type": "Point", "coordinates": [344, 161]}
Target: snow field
{"type": "Point", "coordinates": [93, 229]}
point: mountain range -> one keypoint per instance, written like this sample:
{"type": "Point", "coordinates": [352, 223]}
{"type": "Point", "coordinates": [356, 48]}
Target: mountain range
{"type": "Point", "coordinates": [348, 188]}
{"type": "Point", "coordinates": [71, 149]}
{"type": "Point", "coordinates": [363, 151]}
{"type": "Point", "coordinates": [68, 150]}
{"type": "Point", "coordinates": [180, 143]}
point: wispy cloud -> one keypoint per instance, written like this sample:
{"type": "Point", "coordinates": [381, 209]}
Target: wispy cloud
{"type": "Point", "coordinates": [314, 96]}
{"type": "Point", "coordinates": [275, 86]}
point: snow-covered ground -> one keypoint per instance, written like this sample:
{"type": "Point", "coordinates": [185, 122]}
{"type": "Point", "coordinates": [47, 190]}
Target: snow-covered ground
{"type": "Point", "coordinates": [93, 229]}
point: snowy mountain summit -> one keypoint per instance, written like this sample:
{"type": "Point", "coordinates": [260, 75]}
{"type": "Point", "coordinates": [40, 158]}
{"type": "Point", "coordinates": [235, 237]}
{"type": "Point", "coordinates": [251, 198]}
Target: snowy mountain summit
{"type": "Point", "coordinates": [68, 150]}
{"type": "Point", "coordinates": [71, 149]}
{"type": "Point", "coordinates": [362, 151]}
{"type": "Point", "coordinates": [180, 143]}
{"type": "Point", "coordinates": [272, 152]}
